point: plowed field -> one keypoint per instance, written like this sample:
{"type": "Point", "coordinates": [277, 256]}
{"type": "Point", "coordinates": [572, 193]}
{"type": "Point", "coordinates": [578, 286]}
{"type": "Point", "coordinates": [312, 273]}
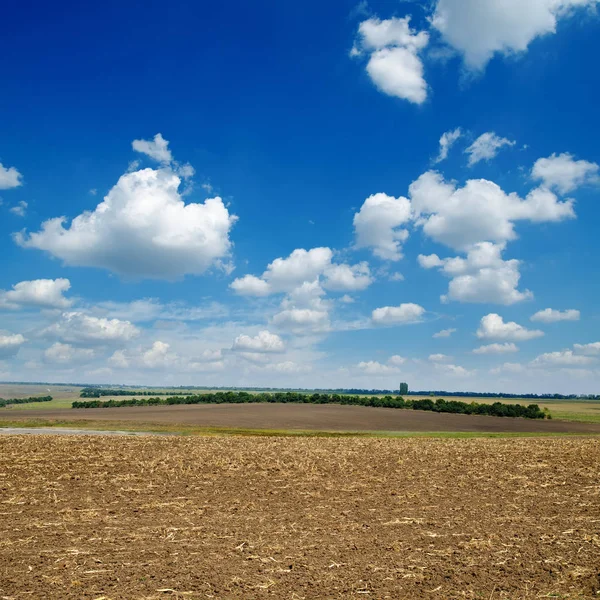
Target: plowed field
{"type": "Point", "coordinates": [246, 517]}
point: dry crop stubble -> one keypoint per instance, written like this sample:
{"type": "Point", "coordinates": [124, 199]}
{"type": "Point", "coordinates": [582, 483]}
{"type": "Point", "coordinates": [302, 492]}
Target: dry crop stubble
{"type": "Point", "coordinates": [246, 517]}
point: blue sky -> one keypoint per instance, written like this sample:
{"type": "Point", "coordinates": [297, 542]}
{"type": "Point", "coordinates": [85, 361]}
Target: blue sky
{"type": "Point", "coordinates": [302, 194]}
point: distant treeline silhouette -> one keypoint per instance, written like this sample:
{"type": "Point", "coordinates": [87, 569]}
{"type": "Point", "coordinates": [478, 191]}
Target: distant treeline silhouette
{"type": "Point", "coordinates": [93, 392]}
{"type": "Point", "coordinates": [496, 409]}
{"type": "Point", "coordinates": [4, 402]}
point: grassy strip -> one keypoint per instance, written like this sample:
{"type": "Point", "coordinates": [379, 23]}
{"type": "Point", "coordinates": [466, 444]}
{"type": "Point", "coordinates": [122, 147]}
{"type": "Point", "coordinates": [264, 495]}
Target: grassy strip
{"type": "Point", "coordinates": [177, 429]}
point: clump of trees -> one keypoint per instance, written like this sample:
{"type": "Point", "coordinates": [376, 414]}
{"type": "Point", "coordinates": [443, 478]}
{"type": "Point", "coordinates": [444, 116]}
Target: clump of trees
{"type": "Point", "coordinates": [4, 402]}
{"type": "Point", "coordinates": [497, 409]}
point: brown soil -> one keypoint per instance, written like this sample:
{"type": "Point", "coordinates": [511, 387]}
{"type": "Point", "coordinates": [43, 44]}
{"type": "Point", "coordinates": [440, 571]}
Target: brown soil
{"type": "Point", "coordinates": [327, 417]}
{"type": "Point", "coordinates": [298, 518]}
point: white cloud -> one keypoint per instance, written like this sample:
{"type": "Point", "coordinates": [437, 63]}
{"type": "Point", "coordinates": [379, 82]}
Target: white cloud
{"type": "Point", "coordinates": [78, 328]}
{"type": "Point", "coordinates": [496, 348]}
{"type": "Point", "coordinates": [348, 278]}
{"type": "Point", "coordinates": [377, 224]}
{"type": "Point", "coordinates": [549, 315]}
{"type": "Point", "coordinates": [20, 209]}
{"type": "Point", "coordinates": [372, 367]}
{"type": "Point", "coordinates": [453, 370]}
{"type": "Point", "coordinates": [444, 333]}
{"type": "Point", "coordinates": [438, 357]}
{"type": "Point", "coordinates": [485, 147]}
{"type": "Point", "coordinates": [479, 211]}
{"type": "Point", "coordinates": [396, 277]}
{"type": "Point", "coordinates": [265, 341]}
{"type": "Point", "coordinates": [562, 358]}
{"type": "Point", "coordinates": [10, 344]}
{"type": "Point", "coordinates": [142, 228]}
{"type": "Point", "coordinates": [398, 315]}
{"type": "Point", "coordinates": [38, 293]}
{"type": "Point", "coordinates": [493, 327]}
{"type": "Point", "coordinates": [345, 299]}
{"type": "Point", "coordinates": [9, 178]}
{"type": "Point", "coordinates": [65, 354]}
{"type": "Point", "coordinates": [249, 285]}
{"type": "Point", "coordinates": [396, 360]}
{"type": "Point", "coordinates": [565, 174]}
{"type": "Point", "coordinates": [302, 320]}
{"type": "Point", "coordinates": [394, 64]}
{"type": "Point", "coordinates": [447, 140]}
{"type": "Point", "coordinates": [483, 276]}
{"type": "Point", "coordinates": [508, 367]}
{"type": "Point", "coordinates": [305, 266]}
{"type": "Point", "coordinates": [593, 348]}
{"type": "Point", "coordinates": [304, 310]}
{"type": "Point", "coordinates": [479, 29]}
{"type": "Point", "coordinates": [285, 274]}
{"type": "Point", "coordinates": [159, 356]}
{"type": "Point", "coordinates": [157, 149]}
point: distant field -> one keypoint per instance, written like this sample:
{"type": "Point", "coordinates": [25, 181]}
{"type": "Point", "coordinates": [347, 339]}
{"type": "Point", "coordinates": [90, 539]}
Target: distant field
{"type": "Point", "coordinates": [292, 417]}
{"type": "Point", "coordinates": [586, 411]}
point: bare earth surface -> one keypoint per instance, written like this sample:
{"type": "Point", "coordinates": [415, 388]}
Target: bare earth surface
{"type": "Point", "coordinates": [328, 417]}
{"type": "Point", "coordinates": [299, 518]}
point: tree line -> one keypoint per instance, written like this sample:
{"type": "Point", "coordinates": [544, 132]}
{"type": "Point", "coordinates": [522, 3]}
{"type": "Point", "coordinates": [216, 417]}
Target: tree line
{"type": "Point", "coordinates": [497, 409]}
{"type": "Point", "coordinates": [92, 392]}
{"type": "Point", "coordinates": [4, 402]}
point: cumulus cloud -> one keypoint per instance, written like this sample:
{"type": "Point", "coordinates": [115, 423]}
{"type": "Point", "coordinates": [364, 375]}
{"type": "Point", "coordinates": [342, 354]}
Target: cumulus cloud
{"type": "Point", "coordinates": [373, 367]}
{"type": "Point", "coordinates": [447, 140]}
{"type": "Point", "coordinates": [378, 225]}
{"type": "Point", "coordinates": [549, 315]}
{"type": "Point", "coordinates": [593, 348]}
{"type": "Point", "coordinates": [157, 149]}
{"type": "Point", "coordinates": [79, 328]}
{"type": "Point", "coordinates": [483, 276]}
{"type": "Point", "coordinates": [19, 209]}
{"type": "Point", "coordinates": [444, 333]}
{"type": "Point", "coordinates": [142, 229]}
{"type": "Point", "coordinates": [38, 293]}
{"type": "Point", "coordinates": [394, 64]}
{"type": "Point", "coordinates": [479, 211]}
{"type": "Point", "coordinates": [396, 360]}
{"type": "Point", "coordinates": [249, 285]}
{"type": "Point", "coordinates": [493, 327]}
{"type": "Point", "coordinates": [10, 344]}
{"type": "Point", "coordinates": [565, 174]}
{"type": "Point", "coordinates": [508, 367]}
{"type": "Point", "coordinates": [453, 370]}
{"type": "Point", "coordinates": [479, 29]}
{"type": "Point", "coordinates": [565, 358]}
{"type": "Point", "coordinates": [160, 356]}
{"type": "Point", "coordinates": [496, 348]}
{"type": "Point", "coordinates": [305, 266]}
{"type": "Point", "coordinates": [438, 357]}
{"type": "Point", "coordinates": [9, 178]}
{"type": "Point", "coordinates": [265, 341]}
{"type": "Point", "coordinates": [398, 315]}
{"type": "Point", "coordinates": [485, 147]}
{"type": "Point", "coordinates": [351, 278]}
{"type": "Point", "coordinates": [65, 354]}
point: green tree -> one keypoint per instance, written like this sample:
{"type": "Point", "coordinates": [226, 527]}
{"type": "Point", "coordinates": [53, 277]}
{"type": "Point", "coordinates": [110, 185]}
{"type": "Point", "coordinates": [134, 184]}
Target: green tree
{"type": "Point", "coordinates": [403, 389]}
